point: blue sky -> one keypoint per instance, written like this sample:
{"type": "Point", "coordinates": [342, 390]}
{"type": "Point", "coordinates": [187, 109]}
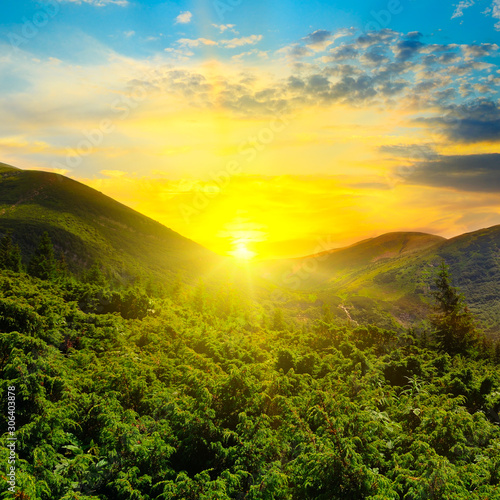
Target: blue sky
{"type": "Point", "coordinates": [154, 27]}
{"type": "Point", "coordinates": [342, 118]}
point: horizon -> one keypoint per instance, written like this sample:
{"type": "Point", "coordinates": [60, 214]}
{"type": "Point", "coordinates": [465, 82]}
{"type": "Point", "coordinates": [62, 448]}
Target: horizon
{"type": "Point", "coordinates": [322, 247]}
{"type": "Point", "coordinates": [263, 131]}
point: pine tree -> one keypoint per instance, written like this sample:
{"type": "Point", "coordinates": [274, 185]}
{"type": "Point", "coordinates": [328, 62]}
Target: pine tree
{"type": "Point", "coordinates": [43, 263]}
{"type": "Point", "coordinates": [453, 323]}
{"type": "Point", "coordinates": [95, 276]}
{"type": "Point", "coordinates": [10, 254]}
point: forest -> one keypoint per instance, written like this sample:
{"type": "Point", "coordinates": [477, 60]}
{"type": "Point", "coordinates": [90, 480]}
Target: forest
{"type": "Point", "coordinates": [193, 392]}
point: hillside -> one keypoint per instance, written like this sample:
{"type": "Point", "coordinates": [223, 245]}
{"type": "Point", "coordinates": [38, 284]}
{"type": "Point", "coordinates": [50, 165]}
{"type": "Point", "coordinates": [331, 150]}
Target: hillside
{"type": "Point", "coordinates": [384, 280]}
{"type": "Point", "coordinates": [338, 264]}
{"type": "Point", "coordinates": [87, 226]}
{"type": "Point", "coordinates": [390, 277]}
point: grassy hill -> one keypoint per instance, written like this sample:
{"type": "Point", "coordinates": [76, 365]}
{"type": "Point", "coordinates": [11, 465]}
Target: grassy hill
{"type": "Point", "coordinates": [87, 226]}
{"type": "Point", "coordinates": [390, 277]}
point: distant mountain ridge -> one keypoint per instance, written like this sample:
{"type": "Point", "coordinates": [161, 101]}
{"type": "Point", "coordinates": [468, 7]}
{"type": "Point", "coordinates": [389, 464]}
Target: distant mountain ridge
{"type": "Point", "coordinates": [392, 275]}
{"type": "Point", "coordinates": [384, 280]}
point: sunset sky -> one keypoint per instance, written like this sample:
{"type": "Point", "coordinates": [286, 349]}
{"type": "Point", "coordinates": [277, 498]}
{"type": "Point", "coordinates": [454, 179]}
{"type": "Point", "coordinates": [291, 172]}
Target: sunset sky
{"type": "Point", "coordinates": [274, 128]}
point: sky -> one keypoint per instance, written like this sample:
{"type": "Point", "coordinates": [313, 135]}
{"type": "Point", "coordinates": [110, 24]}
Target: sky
{"type": "Point", "coordinates": [266, 129]}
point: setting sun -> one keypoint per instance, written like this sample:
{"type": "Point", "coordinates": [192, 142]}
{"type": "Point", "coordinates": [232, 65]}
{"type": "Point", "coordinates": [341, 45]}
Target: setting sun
{"type": "Point", "coordinates": [241, 252]}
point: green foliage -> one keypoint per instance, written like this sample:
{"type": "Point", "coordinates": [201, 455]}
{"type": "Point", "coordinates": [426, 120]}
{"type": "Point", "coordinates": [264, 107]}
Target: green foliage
{"type": "Point", "coordinates": [453, 324]}
{"type": "Point", "coordinates": [195, 402]}
{"type": "Point", "coordinates": [43, 263]}
{"type": "Point", "coordinates": [10, 254]}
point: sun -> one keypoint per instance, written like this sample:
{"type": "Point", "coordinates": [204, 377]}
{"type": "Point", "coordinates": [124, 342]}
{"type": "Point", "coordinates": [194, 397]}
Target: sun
{"type": "Point", "coordinates": [241, 252]}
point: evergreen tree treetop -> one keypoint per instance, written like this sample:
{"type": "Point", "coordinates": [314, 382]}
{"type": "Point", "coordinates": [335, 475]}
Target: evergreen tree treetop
{"type": "Point", "coordinates": [43, 263]}
{"type": "Point", "coordinates": [453, 323]}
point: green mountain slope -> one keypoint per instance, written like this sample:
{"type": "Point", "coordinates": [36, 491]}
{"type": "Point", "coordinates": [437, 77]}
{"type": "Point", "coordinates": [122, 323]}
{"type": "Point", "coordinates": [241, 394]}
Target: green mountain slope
{"type": "Point", "coordinates": [340, 265]}
{"type": "Point", "coordinates": [390, 277]}
{"type": "Point", "coordinates": [87, 226]}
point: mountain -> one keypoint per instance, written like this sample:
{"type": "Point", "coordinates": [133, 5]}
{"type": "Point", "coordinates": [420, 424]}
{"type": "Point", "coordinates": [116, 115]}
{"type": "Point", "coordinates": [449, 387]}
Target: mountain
{"type": "Point", "coordinates": [338, 265]}
{"type": "Point", "coordinates": [385, 280]}
{"type": "Point", "coordinates": [388, 279]}
{"type": "Point", "coordinates": [87, 226]}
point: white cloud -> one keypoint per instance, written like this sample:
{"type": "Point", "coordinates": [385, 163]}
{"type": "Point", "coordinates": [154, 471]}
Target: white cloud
{"type": "Point", "coordinates": [459, 9]}
{"type": "Point", "coordinates": [128, 34]}
{"type": "Point", "coordinates": [254, 52]}
{"type": "Point", "coordinates": [180, 54]}
{"type": "Point", "coordinates": [239, 42]}
{"type": "Point", "coordinates": [198, 42]}
{"type": "Point", "coordinates": [184, 18]}
{"type": "Point", "coordinates": [224, 27]}
{"type": "Point", "coordinates": [99, 3]}
{"type": "Point", "coordinates": [495, 12]}
{"type": "Point", "coordinates": [228, 44]}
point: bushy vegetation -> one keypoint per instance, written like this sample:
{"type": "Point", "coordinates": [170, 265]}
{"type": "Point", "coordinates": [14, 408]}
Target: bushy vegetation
{"type": "Point", "coordinates": [199, 394]}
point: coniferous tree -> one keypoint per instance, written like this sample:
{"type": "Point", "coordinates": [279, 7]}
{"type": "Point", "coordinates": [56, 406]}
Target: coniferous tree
{"type": "Point", "coordinates": [453, 323]}
{"type": "Point", "coordinates": [10, 254]}
{"type": "Point", "coordinates": [62, 267]}
{"type": "Point", "coordinates": [43, 263]}
{"type": "Point", "coordinates": [95, 276]}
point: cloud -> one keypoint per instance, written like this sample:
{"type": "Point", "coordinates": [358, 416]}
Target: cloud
{"type": "Point", "coordinates": [375, 56]}
{"type": "Point", "coordinates": [254, 52]}
{"type": "Point", "coordinates": [410, 151]}
{"type": "Point", "coordinates": [473, 173]}
{"type": "Point", "coordinates": [320, 39]}
{"type": "Point", "coordinates": [182, 54]}
{"type": "Point", "coordinates": [406, 49]}
{"type": "Point", "coordinates": [413, 35]}
{"type": "Point", "coordinates": [460, 7]}
{"type": "Point", "coordinates": [476, 121]}
{"type": "Point", "coordinates": [342, 53]}
{"type": "Point", "coordinates": [228, 44]}
{"type": "Point", "coordinates": [184, 18]}
{"type": "Point", "coordinates": [129, 34]}
{"type": "Point", "coordinates": [99, 3]}
{"type": "Point", "coordinates": [225, 27]}
{"type": "Point", "coordinates": [475, 51]}
{"type": "Point", "coordinates": [295, 51]}
{"type": "Point", "coordinates": [495, 12]}
{"type": "Point", "coordinates": [239, 42]}
{"type": "Point", "coordinates": [383, 36]}
{"type": "Point", "coordinates": [198, 42]}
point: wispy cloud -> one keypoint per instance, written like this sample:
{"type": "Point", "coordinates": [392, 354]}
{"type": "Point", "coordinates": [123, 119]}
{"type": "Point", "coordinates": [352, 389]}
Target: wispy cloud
{"type": "Point", "coordinates": [493, 10]}
{"type": "Point", "coordinates": [460, 7]}
{"type": "Point", "coordinates": [254, 52]}
{"type": "Point", "coordinates": [495, 13]}
{"type": "Point", "coordinates": [184, 18]}
{"type": "Point", "coordinates": [239, 42]}
{"type": "Point", "coordinates": [228, 44]}
{"type": "Point", "coordinates": [99, 3]}
{"type": "Point", "coordinates": [225, 27]}
{"type": "Point", "coordinates": [198, 42]}
{"type": "Point", "coordinates": [475, 173]}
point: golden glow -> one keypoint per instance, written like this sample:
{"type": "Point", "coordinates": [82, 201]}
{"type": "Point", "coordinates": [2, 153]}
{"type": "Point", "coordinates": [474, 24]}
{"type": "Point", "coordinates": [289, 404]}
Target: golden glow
{"type": "Point", "coordinates": [241, 252]}
{"type": "Point", "coordinates": [243, 182]}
